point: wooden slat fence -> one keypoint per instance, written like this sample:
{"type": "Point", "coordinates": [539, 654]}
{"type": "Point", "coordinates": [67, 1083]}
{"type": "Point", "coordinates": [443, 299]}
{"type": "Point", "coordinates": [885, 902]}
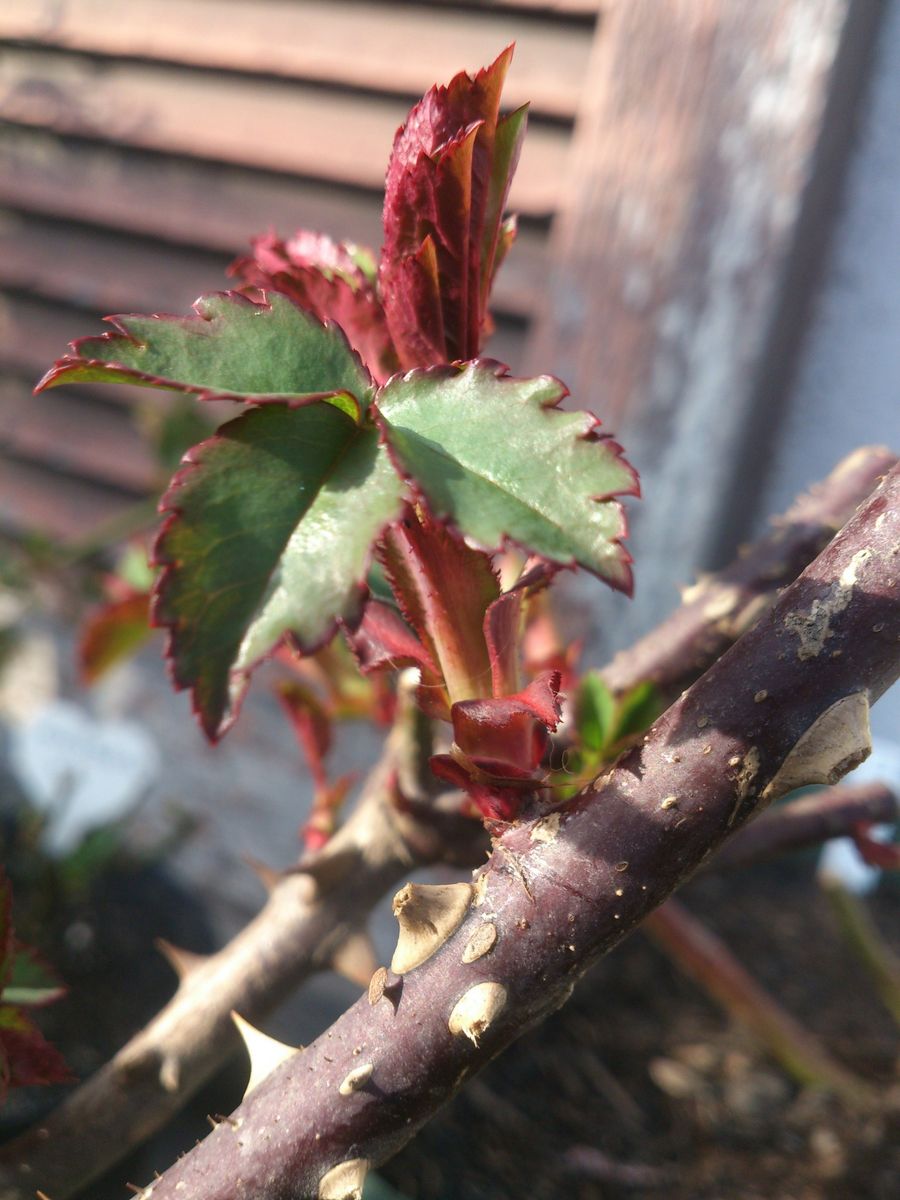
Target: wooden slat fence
{"type": "Point", "coordinates": [138, 154]}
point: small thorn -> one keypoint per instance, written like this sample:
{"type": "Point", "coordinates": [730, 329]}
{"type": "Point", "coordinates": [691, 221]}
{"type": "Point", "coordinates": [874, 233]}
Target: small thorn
{"type": "Point", "coordinates": [42, 1196]}
{"type": "Point", "coordinates": [355, 959]}
{"type": "Point", "coordinates": [266, 1053]}
{"type": "Point", "coordinates": [213, 1122]}
{"type": "Point", "coordinates": [267, 875]}
{"type": "Point", "coordinates": [182, 962]}
{"type": "Point", "coordinates": [357, 1079]}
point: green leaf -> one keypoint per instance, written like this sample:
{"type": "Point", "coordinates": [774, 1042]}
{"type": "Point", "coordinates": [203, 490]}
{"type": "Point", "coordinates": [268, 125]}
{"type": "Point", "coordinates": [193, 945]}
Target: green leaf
{"type": "Point", "coordinates": [232, 348]}
{"type": "Point", "coordinates": [637, 710]}
{"type": "Point", "coordinates": [595, 712]}
{"type": "Point", "coordinates": [271, 525]}
{"type": "Point", "coordinates": [112, 633]}
{"type": "Point", "coordinates": [494, 455]}
{"type": "Point", "coordinates": [31, 981]}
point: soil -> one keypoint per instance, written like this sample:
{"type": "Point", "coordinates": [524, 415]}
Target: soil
{"type": "Point", "coordinates": [641, 1086]}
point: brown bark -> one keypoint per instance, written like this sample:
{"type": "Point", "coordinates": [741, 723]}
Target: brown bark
{"type": "Point", "coordinates": [119, 1110]}
{"type": "Point", "coordinates": [809, 822]}
{"type": "Point", "coordinates": [787, 704]}
{"type": "Point", "coordinates": [719, 608]}
{"type": "Point", "coordinates": [296, 934]}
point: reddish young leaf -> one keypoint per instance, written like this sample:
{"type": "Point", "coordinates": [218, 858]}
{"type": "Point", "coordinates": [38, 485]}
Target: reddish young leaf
{"type": "Point", "coordinates": [447, 183]}
{"type": "Point", "coordinates": [503, 628]}
{"type": "Point", "coordinates": [383, 640]}
{"type": "Point", "coordinates": [7, 943]}
{"type": "Point", "coordinates": [311, 725]}
{"type": "Point", "coordinates": [329, 279]}
{"type": "Point", "coordinates": [327, 803]}
{"type": "Point", "coordinates": [499, 744]}
{"type": "Point", "coordinates": [26, 1057]}
{"type": "Point", "coordinates": [509, 729]}
{"type": "Point", "coordinates": [112, 632]}
{"type": "Point", "coordinates": [492, 800]}
{"type": "Point", "coordinates": [444, 588]}
{"type": "Point", "coordinates": [884, 855]}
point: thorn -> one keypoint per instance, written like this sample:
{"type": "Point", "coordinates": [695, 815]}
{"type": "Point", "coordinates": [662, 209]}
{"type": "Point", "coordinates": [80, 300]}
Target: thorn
{"type": "Point", "coordinates": [478, 1009]}
{"type": "Point", "coordinates": [213, 1122]}
{"type": "Point", "coordinates": [428, 914]}
{"type": "Point", "coordinates": [345, 1181]}
{"type": "Point", "coordinates": [266, 1053]}
{"type": "Point", "coordinates": [355, 959]}
{"type": "Point", "coordinates": [267, 875]}
{"type": "Point", "coordinates": [182, 962]}
{"type": "Point", "coordinates": [357, 1079]}
{"type": "Point", "coordinates": [42, 1196]}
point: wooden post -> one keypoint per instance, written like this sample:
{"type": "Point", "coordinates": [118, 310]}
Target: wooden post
{"type": "Point", "coordinates": [706, 156]}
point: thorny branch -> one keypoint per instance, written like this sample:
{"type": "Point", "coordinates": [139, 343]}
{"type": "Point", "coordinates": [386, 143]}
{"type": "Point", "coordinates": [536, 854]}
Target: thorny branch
{"type": "Point", "coordinates": [299, 929]}
{"type": "Point", "coordinates": [786, 706]}
{"type": "Point", "coordinates": [809, 821]}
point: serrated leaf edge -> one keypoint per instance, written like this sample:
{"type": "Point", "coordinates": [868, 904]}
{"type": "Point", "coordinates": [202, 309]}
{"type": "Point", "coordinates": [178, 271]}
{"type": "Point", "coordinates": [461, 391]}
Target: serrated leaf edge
{"type": "Point", "coordinates": [119, 332]}
{"type": "Point", "coordinates": [239, 677]}
{"type": "Point", "coordinates": [500, 370]}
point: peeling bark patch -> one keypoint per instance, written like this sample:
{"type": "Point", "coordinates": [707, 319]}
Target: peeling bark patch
{"type": "Point", "coordinates": [477, 1009]}
{"type": "Point", "coordinates": [546, 829]}
{"type": "Point", "coordinates": [814, 627]}
{"type": "Point", "coordinates": [747, 771]}
{"type": "Point", "coordinates": [833, 745]}
{"type": "Point", "coordinates": [376, 985]}
{"type": "Point", "coordinates": [345, 1181]}
{"type": "Point", "coordinates": [480, 943]}
{"type": "Point", "coordinates": [356, 1079]}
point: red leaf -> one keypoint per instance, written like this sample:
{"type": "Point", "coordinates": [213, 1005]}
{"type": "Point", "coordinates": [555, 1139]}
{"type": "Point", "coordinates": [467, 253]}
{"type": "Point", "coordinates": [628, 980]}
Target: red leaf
{"type": "Point", "coordinates": [444, 589]}
{"type": "Point", "coordinates": [327, 803]}
{"type": "Point", "coordinates": [447, 184]}
{"type": "Point", "coordinates": [26, 1057]}
{"type": "Point", "coordinates": [384, 640]}
{"type": "Point", "coordinates": [492, 800]}
{"type": "Point", "coordinates": [510, 729]}
{"type": "Point", "coordinates": [112, 632]}
{"type": "Point", "coordinates": [502, 624]}
{"type": "Point", "coordinates": [503, 627]}
{"type": "Point", "coordinates": [498, 746]}
{"type": "Point", "coordinates": [7, 944]}
{"type": "Point", "coordinates": [884, 855]}
{"type": "Point", "coordinates": [311, 725]}
{"type": "Point", "coordinates": [324, 277]}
